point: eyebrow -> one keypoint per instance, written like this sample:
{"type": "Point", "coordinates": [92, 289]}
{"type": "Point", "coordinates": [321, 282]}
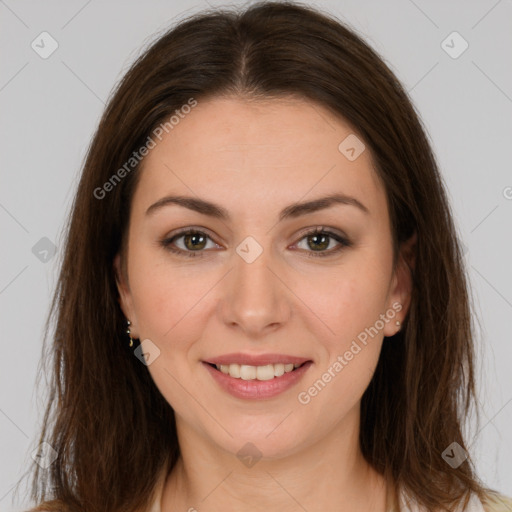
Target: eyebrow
{"type": "Point", "coordinates": [290, 212]}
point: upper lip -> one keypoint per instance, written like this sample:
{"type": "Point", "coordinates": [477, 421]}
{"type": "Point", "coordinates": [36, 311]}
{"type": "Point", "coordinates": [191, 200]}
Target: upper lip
{"type": "Point", "coordinates": [256, 360]}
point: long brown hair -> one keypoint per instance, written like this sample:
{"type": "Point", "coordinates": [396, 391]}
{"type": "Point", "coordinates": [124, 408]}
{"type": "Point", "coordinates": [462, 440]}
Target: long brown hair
{"type": "Point", "coordinates": [112, 429]}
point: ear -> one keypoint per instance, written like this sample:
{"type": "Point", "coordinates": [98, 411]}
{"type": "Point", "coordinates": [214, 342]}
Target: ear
{"type": "Point", "coordinates": [402, 284]}
{"type": "Point", "coordinates": [125, 296]}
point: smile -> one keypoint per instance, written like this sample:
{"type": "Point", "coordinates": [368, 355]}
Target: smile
{"type": "Point", "coordinates": [248, 372]}
{"type": "Point", "coordinates": [256, 382]}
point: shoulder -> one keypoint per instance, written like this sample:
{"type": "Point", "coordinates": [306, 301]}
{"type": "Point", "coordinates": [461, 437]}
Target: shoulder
{"type": "Point", "coordinates": [489, 501]}
{"type": "Point", "coordinates": [494, 502]}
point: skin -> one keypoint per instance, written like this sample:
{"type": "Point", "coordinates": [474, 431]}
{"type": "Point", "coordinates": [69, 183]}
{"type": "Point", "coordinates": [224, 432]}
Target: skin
{"type": "Point", "coordinates": [271, 154]}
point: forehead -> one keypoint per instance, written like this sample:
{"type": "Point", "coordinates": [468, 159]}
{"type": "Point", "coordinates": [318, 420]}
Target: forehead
{"type": "Point", "coordinates": [250, 153]}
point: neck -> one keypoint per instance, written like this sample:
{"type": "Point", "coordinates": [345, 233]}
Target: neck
{"type": "Point", "coordinates": [330, 474]}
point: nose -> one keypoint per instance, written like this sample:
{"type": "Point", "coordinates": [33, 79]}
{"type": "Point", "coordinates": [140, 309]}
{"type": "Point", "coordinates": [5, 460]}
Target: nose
{"type": "Point", "coordinates": [256, 300]}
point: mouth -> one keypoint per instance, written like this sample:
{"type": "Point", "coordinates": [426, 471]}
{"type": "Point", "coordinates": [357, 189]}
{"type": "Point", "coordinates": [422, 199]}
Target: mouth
{"type": "Point", "coordinates": [249, 372]}
{"type": "Point", "coordinates": [265, 380]}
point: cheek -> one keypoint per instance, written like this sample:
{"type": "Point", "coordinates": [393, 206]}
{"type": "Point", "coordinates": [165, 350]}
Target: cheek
{"type": "Point", "coordinates": [350, 346]}
{"type": "Point", "coordinates": [166, 303]}
{"type": "Point", "coordinates": [348, 301]}
{"type": "Point", "coordinates": [172, 315]}
{"type": "Point", "coordinates": [350, 306]}
{"type": "Point", "coordinates": [153, 292]}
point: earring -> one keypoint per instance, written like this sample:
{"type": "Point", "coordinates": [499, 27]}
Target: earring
{"type": "Point", "coordinates": [398, 324]}
{"type": "Point", "coordinates": [129, 333]}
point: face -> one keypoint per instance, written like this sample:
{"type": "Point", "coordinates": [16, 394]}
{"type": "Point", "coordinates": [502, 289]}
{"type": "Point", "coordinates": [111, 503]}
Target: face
{"type": "Point", "coordinates": [253, 288]}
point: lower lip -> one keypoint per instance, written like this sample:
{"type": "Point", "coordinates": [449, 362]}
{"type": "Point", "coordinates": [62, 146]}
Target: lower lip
{"type": "Point", "coordinates": [258, 389]}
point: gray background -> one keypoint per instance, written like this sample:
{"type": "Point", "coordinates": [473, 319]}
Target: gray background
{"type": "Point", "coordinates": [50, 108]}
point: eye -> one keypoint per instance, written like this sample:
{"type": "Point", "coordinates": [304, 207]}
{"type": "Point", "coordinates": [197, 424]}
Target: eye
{"type": "Point", "coordinates": [195, 241]}
{"type": "Point", "coordinates": [321, 238]}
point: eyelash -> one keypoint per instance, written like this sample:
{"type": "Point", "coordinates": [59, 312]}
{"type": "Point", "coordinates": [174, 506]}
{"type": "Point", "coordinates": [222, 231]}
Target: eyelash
{"type": "Point", "coordinates": [167, 243]}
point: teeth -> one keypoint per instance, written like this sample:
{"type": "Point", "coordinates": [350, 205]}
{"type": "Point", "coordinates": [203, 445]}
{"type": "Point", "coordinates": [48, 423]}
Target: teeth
{"type": "Point", "coordinates": [278, 370]}
{"type": "Point", "coordinates": [247, 372]}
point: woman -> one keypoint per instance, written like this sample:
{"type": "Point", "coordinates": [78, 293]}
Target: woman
{"type": "Point", "coordinates": [262, 302]}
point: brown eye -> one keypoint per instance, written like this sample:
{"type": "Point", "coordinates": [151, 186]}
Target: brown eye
{"type": "Point", "coordinates": [194, 243]}
{"type": "Point", "coordinates": [320, 239]}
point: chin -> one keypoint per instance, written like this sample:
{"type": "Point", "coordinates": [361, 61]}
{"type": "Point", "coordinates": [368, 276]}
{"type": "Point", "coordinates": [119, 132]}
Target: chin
{"type": "Point", "coordinates": [266, 438]}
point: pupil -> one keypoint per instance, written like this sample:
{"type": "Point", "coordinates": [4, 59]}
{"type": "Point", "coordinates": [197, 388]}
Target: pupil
{"type": "Point", "coordinates": [324, 237]}
{"type": "Point", "coordinates": [193, 237]}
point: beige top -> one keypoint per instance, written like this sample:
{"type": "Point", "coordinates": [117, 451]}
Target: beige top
{"type": "Point", "coordinates": [493, 503]}
{"type": "Point", "coordinates": [407, 504]}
